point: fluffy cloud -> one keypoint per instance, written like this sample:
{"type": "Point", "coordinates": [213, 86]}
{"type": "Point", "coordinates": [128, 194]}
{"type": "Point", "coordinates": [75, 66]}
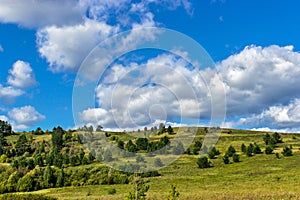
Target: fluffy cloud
{"type": "Point", "coordinates": [8, 94]}
{"type": "Point", "coordinates": [258, 78]}
{"type": "Point", "coordinates": [262, 87]}
{"type": "Point", "coordinates": [21, 75]}
{"type": "Point", "coordinates": [66, 47]}
{"type": "Point", "coordinates": [278, 117]}
{"type": "Point", "coordinates": [38, 14]}
{"type": "Point", "coordinates": [162, 89]}
{"type": "Point", "coordinates": [24, 117]}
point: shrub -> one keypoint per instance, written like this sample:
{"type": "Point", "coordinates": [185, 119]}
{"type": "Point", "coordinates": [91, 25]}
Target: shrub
{"type": "Point", "coordinates": [226, 159]}
{"type": "Point", "coordinates": [287, 151]}
{"type": "Point", "coordinates": [173, 194]}
{"type": "Point", "coordinates": [269, 150]}
{"type": "Point", "coordinates": [243, 148]}
{"type": "Point", "coordinates": [158, 162]}
{"type": "Point", "coordinates": [26, 197]}
{"type": "Point", "coordinates": [111, 191]}
{"type": "Point", "coordinates": [203, 162]}
{"type": "Point", "coordinates": [236, 157]}
{"type": "Point", "coordinates": [231, 150]}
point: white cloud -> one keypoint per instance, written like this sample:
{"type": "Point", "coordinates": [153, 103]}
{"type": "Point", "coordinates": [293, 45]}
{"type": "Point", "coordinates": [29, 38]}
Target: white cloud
{"type": "Point", "coordinates": [36, 14]}
{"type": "Point", "coordinates": [1, 48]}
{"type": "Point", "coordinates": [24, 117]}
{"type": "Point", "coordinates": [8, 94]}
{"type": "Point", "coordinates": [65, 47]}
{"type": "Point", "coordinates": [278, 117]}
{"type": "Point", "coordinates": [21, 75]}
{"type": "Point", "coordinates": [3, 118]}
{"type": "Point", "coordinates": [258, 78]}
{"type": "Point", "coordinates": [163, 90]}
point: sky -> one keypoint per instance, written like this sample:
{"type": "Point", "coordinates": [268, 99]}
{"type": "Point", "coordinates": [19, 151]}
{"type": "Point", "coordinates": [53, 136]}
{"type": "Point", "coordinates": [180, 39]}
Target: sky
{"type": "Point", "coordinates": [47, 46]}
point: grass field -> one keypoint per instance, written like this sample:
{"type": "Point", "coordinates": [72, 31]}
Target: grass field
{"type": "Point", "coordinates": [259, 177]}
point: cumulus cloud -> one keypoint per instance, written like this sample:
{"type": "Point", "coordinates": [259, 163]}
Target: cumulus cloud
{"type": "Point", "coordinates": [162, 89]}
{"type": "Point", "coordinates": [65, 47]}
{"type": "Point", "coordinates": [36, 14]}
{"type": "Point", "coordinates": [277, 117]}
{"type": "Point", "coordinates": [262, 88]}
{"type": "Point", "coordinates": [21, 75]}
{"type": "Point", "coordinates": [257, 78]}
{"type": "Point", "coordinates": [8, 94]}
{"type": "Point", "coordinates": [24, 117]}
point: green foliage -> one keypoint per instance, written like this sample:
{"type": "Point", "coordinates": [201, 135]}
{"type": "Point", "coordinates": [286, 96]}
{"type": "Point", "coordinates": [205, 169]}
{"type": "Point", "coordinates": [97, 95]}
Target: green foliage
{"type": "Point", "coordinates": [256, 149]}
{"type": "Point", "coordinates": [121, 144]}
{"type": "Point", "coordinates": [49, 178]}
{"type": "Point", "coordinates": [287, 151]}
{"type": "Point", "coordinates": [111, 191]}
{"type": "Point", "coordinates": [203, 162]}
{"type": "Point", "coordinates": [5, 128]}
{"type": "Point", "coordinates": [140, 189]}
{"type": "Point", "coordinates": [235, 157]}
{"type": "Point", "coordinates": [57, 137]}
{"type": "Point", "coordinates": [173, 194]}
{"type": "Point", "coordinates": [139, 159]}
{"type": "Point", "coordinates": [26, 183]}
{"type": "Point", "coordinates": [158, 162]}
{"type": "Point", "coordinates": [243, 148]}
{"type": "Point", "coordinates": [130, 147]}
{"type": "Point", "coordinates": [269, 150]}
{"type": "Point", "coordinates": [213, 153]}
{"type": "Point", "coordinates": [22, 145]}
{"type": "Point", "coordinates": [272, 140]}
{"type": "Point", "coordinates": [197, 147]}
{"type": "Point", "coordinates": [25, 197]}
{"type": "Point", "coordinates": [226, 159]}
{"type": "Point", "coordinates": [170, 130]}
{"type": "Point", "coordinates": [277, 137]}
{"type": "Point", "coordinates": [142, 143]}
{"type": "Point", "coordinates": [231, 150]}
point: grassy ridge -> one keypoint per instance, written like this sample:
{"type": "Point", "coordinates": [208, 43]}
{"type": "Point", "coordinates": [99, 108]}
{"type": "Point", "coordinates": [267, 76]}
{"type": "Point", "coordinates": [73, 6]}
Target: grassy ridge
{"type": "Point", "coordinates": [259, 177]}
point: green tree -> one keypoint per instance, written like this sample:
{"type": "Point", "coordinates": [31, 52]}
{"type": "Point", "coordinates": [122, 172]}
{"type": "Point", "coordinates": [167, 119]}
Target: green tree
{"type": "Point", "coordinates": [203, 162]}
{"type": "Point", "coordinates": [269, 150]}
{"type": "Point", "coordinates": [170, 130]}
{"type": "Point", "coordinates": [287, 151]}
{"type": "Point", "coordinates": [231, 150]}
{"type": "Point", "coordinates": [57, 137]}
{"type": "Point", "coordinates": [22, 145]}
{"type": "Point", "coordinates": [49, 178]}
{"type": "Point", "coordinates": [235, 157]}
{"type": "Point", "coordinates": [277, 138]}
{"type": "Point", "coordinates": [158, 162]}
{"type": "Point", "coordinates": [140, 189]}
{"type": "Point", "coordinates": [26, 183]}
{"type": "Point", "coordinates": [39, 161]}
{"type": "Point", "coordinates": [173, 194]}
{"type": "Point", "coordinates": [142, 143]}
{"type": "Point", "coordinates": [120, 144]}
{"type": "Point", "coordinates": [5, 128]}
{"type": "Point", "coordinates": [130, 146]}
{"type": "Point", "coordinates": [60, 178]}
{"type": "Point", "coordinates": [256, 149]}
{"type": "Point", "coordinates": [226, 159]}
{"type": "Point", "coordinates": [243, 148]}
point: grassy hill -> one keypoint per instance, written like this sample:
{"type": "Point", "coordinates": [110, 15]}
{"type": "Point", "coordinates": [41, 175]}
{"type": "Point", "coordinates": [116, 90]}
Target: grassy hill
{"type": "Point", "coordinates": [260, 176]}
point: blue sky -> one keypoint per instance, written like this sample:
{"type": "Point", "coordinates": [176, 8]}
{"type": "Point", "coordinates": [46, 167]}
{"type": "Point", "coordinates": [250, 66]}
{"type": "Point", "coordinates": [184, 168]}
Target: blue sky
{"type": "Point", "coordinates": [255, 45]}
